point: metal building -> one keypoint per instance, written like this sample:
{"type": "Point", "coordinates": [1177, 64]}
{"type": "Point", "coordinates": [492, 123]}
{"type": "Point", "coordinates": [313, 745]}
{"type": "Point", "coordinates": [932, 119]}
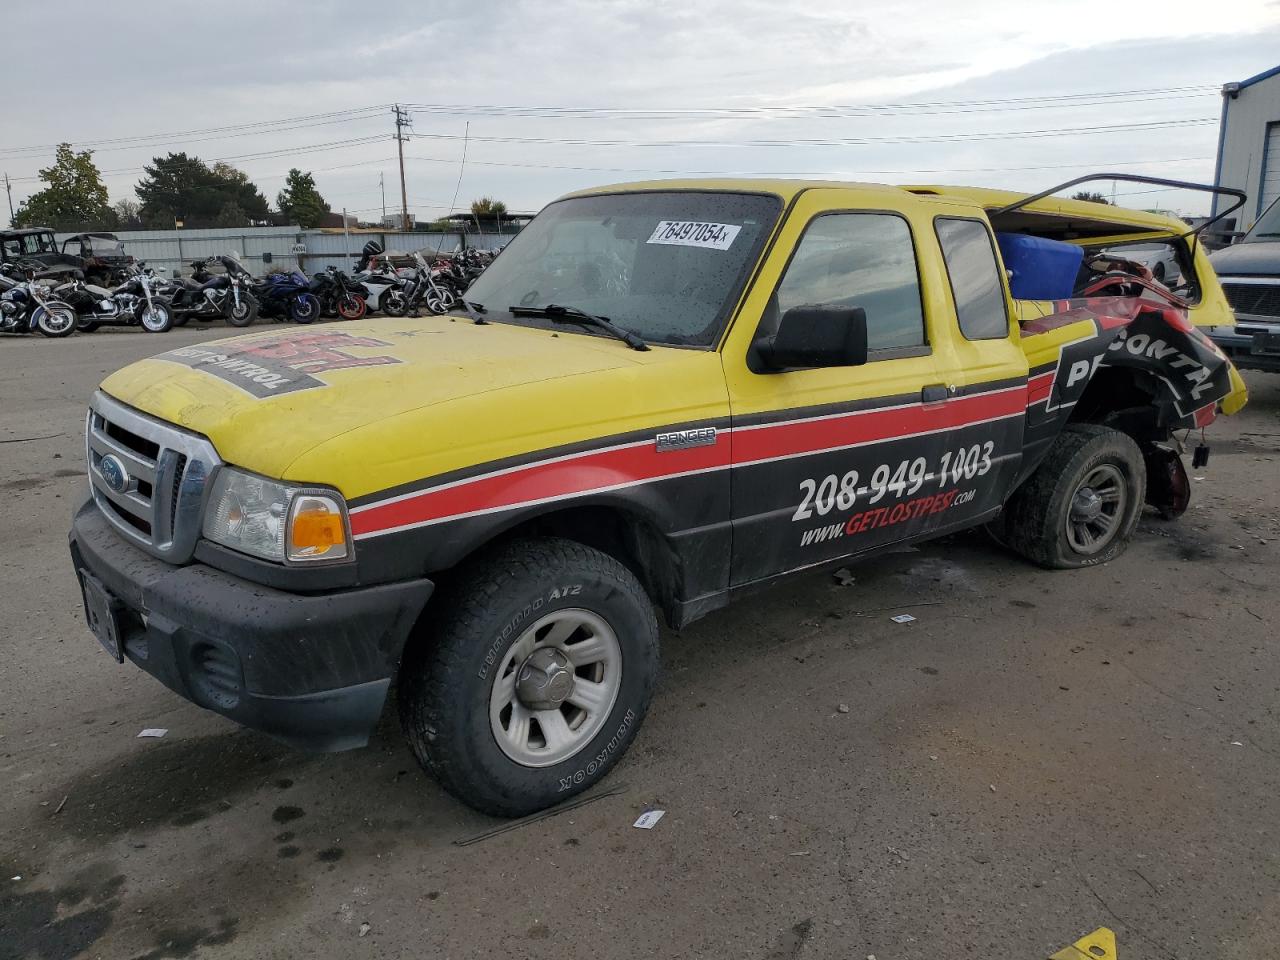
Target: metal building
{"type": "Point", "coordinates": [1249, 143]}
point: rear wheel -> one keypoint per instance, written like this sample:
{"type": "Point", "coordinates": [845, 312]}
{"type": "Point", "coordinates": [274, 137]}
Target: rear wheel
{"type": "Point", "coordinates": [1081, 505]}
{"type": "Point", "coordinates": [537, 677]}
{"type": "Point", "coordinates": [84, 325]}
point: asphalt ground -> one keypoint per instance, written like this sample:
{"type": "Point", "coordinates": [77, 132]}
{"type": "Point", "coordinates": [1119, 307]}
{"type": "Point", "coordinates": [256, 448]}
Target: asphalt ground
{"type": "Point", "coordinates": [1038, 754]}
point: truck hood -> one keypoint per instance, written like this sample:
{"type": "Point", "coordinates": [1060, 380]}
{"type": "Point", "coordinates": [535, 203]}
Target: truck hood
{"type": "Point", "coordinates": [1254, 258]}
{"type": "Point", "coordinates": [266, 399]}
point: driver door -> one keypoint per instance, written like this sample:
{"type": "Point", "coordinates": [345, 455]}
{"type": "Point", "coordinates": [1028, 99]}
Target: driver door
{"type": "Point", "coordinates": [841, 460]}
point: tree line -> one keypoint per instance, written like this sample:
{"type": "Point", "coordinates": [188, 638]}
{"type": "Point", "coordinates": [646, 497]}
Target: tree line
{"type": "Point", "coordinates": [177, 190]}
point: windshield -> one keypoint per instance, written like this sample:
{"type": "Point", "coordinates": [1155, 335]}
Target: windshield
{"type": "Point", "coordinates": [1268, 225]}
{"type": "Point", "coordinates": [33, 243]}
{"type": "Point", "coordinates": [104, 247]}
{"type": "Point", "coordinates": [668, 266]}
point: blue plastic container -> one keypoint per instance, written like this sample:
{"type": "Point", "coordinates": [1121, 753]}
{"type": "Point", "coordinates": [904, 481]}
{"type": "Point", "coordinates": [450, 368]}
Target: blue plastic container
{"type": "Point", "coordinates": [1041, 269]}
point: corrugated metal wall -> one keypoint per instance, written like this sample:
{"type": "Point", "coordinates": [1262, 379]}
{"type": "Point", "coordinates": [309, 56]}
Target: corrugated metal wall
{"type": "Point", "coordinates": [1245, 159]}
{"type": "Point", "coordinates": [262, 248]}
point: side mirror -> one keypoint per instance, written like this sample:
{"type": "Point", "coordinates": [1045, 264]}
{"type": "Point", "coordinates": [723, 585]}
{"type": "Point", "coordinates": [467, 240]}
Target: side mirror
{"type": "Point", "coordinates": [817, 336]}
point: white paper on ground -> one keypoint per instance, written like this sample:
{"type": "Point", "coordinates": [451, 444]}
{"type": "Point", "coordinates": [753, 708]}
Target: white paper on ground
{"type": "Point", "coordinates": [649, 819]}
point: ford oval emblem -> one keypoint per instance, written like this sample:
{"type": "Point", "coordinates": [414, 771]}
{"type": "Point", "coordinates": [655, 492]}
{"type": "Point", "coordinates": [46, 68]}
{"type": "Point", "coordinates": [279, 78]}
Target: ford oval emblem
{"type": "Point", "coordinates": [113, 473]}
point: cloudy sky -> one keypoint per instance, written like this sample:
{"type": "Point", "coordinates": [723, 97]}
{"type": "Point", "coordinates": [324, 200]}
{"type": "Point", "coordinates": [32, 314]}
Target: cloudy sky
{"type": "Point", "coordinates": [549, 98]}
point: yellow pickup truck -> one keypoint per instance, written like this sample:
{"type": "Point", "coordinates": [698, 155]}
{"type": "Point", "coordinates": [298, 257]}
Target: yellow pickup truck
{"type": "Point", "coordinates": [660, 396]}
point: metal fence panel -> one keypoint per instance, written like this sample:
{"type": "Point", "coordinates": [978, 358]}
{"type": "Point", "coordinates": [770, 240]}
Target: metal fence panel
{"type": "Point", "coordinates": [265, 248]}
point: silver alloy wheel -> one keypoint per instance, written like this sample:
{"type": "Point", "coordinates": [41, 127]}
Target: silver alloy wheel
{"type": "Point", "coordinates": [58, 319]}
{"type": "Point", "coordinates": [239, 310]}
{"type": "Point", "coordinates": [155, 318]}
{"type": "Point", "coordinates": [1096, 510]}
{"type": "Point", "coordinates": [555, 688]}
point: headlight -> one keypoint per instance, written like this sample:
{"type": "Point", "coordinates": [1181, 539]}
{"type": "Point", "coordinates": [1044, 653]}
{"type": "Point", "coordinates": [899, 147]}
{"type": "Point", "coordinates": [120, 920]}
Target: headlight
{"type": "Point", "coordinates": [276, 521]}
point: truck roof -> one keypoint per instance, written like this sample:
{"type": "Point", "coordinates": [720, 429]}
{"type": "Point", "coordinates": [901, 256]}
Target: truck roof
{"type": "Point", "coordinates": [1084, 211]}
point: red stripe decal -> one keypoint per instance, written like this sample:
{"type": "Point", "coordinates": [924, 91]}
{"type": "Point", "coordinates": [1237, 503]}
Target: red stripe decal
{"type": "Point", "coordinates": [1039, 387]}
{"type": "Point", "coordinates": [591, 471]}
{"type": "Point", "coordinates": [870, 426]}
{"type": "Point", "coordinates": [594, 471]}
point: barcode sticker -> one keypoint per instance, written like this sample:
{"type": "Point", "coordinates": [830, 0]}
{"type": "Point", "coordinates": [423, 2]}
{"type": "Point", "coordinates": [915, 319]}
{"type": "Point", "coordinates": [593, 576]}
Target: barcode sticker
{"type": "Point", "coordinates": [695, 233]}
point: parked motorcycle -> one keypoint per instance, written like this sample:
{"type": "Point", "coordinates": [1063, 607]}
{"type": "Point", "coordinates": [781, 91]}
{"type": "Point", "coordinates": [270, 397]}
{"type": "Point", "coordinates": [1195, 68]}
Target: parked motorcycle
{"type": "Point", "coordinates": [26, 304]}
{"type": "Point", "coordinates": [136, 301]}
{"type": "Point", "coordinates": [431, 287]}
{"type": "Point", "coordinates": [339, 296]}
{"type": "Point", "coordinates": [287, 296]}
{"type": "Point", "coordinates": [208, 297]}
{"type": "Point", "coordinates": [387, 291]}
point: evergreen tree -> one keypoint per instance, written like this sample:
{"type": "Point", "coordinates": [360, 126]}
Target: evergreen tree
{"type": "Point", "coordinates": [300, 199]}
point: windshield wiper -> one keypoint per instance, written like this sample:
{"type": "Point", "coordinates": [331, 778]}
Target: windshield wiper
{"type": "Point", "coordinates": [560, 314]}
{"type": "Point", "coordinates": [473, 310]}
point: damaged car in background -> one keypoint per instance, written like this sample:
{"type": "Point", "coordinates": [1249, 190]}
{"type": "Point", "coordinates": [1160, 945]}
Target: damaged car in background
{"type": "Point", "coordinates": [661, 397]}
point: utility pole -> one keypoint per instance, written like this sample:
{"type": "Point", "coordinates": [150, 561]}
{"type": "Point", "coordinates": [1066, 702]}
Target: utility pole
{"type": "Point", "coordinates": [382, 185]}
{"type": "Point", "coordinates": [402, 123]}
{"type": "Point", "coordinates": [9, 190]}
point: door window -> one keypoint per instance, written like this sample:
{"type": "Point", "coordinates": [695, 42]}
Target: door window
{"type": "Point", "coordinates": [862, 260]}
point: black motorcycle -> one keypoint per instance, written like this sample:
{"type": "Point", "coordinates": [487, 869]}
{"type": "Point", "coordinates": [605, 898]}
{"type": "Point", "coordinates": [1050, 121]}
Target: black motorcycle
{"type": "Point", "coordinates": [339, 295]}
{"type": "Point", "coordinates": [27, 304]}
{"type": "Point", "coordinates": [135, 302]}
{"type": "Point", "coordinates": [208, 297]}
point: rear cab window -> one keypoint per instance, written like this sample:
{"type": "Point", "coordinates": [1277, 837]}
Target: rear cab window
{"type": "Point", "coordinates": [974, 275]}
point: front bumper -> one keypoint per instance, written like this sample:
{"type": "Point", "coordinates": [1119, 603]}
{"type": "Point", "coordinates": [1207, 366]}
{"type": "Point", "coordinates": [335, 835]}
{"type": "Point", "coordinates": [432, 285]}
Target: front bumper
{"type": "Point", "coordinates": [1239, 347]}
{"type": "Point", "coordinates": [310, 670]}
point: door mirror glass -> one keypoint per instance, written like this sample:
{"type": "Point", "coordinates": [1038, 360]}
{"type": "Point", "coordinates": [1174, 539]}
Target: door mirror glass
{"type": "Point", "coordinates": [817, 336]}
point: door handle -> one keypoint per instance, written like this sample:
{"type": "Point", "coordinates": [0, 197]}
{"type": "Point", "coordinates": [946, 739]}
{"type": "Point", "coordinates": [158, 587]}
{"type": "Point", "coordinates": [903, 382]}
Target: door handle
{"type": "Point", "coordinates": [935, 393]}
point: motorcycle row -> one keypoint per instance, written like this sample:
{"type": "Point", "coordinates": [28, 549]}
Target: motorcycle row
{"type": "Point", "coordinates": [30, 302]}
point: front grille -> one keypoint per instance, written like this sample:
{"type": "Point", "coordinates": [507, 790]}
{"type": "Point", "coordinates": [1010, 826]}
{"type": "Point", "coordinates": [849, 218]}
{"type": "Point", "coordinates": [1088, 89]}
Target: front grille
{"type": "Point", "coordinates": [1254, 299]}
{"type": "Point", "coordinates": [161, 476]}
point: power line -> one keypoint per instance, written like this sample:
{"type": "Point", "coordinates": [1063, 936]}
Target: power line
{"type": "Point", "coordinates": [850, 141]}
{"type": "Point", "coordinates": [336, 116]}
{"type": "Point", "coordinates": [1107, 164]}
{"type": "Point", "coordinates": [821, 111]}
{"type": "Point", "coordinates": [283, 152]}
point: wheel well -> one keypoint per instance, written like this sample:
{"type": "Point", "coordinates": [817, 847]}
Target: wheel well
{"type": "Point", "coordinates": [626, 536]}
{"type": "Point", "coordinates": [1126, 399]}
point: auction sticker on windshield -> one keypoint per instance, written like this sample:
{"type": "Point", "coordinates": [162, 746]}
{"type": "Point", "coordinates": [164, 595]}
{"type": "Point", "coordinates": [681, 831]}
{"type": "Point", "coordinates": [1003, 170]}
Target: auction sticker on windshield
{"type": "Point", "coordinates": [695, 233]}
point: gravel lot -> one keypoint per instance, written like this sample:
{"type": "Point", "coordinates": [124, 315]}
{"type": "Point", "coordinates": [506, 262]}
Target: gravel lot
{"type": "Point", "coordinates": [1037, 755]}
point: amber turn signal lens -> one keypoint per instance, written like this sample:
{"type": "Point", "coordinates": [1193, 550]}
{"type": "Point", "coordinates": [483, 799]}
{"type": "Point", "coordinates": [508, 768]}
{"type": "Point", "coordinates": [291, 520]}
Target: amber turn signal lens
{"type": "Point", "coordinates": [317, 529]}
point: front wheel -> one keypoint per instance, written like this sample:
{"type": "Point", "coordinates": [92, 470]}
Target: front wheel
{"type": "Point", "coordinates": [156, 317]}
{"type": "Point", "coordinates": [305, 308]}
{"type": "Point", "coordinates": [351, 307]}
{"type": "Point", "coordinates": [243, 313]}
{"type": "Point", "coordinates": [1081, 505]}
{"type": "Point", "coordinates": [55, 319]}
{"type": "Point", "coordinates": [536, 678]}
{"type": "Point", "coordinates": [395, 303]}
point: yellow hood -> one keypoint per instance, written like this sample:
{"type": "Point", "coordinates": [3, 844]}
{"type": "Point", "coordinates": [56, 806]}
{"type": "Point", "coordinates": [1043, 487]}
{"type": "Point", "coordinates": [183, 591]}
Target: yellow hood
{"type": "Point", "coordinates": [365, 407]}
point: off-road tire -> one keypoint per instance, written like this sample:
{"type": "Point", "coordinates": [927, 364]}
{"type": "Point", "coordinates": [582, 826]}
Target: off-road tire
{"type": "Point", "coordinates": [448, 672]}
{"type": "Point", "coordinates": [1035, 521]}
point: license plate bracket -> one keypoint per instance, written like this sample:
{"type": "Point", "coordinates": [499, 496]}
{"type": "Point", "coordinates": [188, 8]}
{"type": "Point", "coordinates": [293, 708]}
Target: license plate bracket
{"type": "Point", "coordinates": [1265, 343]}
{"type": "Point", "coordinates": [102, 611]}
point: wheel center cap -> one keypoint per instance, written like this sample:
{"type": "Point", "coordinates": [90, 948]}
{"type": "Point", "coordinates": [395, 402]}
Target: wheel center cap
{"type": "Point", "coordinates": [545, 679]}
{"type": "Point", "coordinates": [1087, 505]}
